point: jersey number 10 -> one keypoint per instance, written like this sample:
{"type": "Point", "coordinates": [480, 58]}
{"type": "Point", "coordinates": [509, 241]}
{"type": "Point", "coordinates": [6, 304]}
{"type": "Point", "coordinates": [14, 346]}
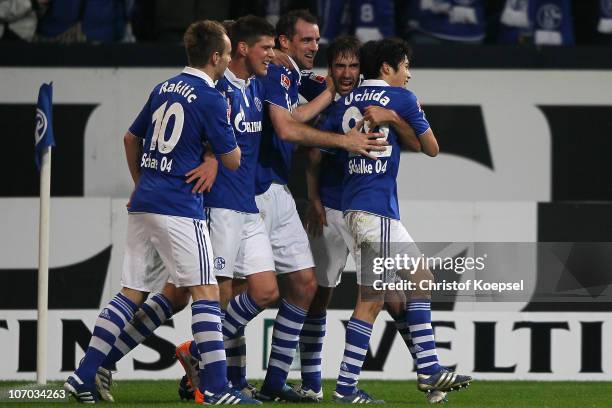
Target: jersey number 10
{"type": "Point", "coordinates": [161, 117]}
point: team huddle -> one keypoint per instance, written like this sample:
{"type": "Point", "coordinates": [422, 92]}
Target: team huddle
{"type": "Point", "coordinates": [211, 218]}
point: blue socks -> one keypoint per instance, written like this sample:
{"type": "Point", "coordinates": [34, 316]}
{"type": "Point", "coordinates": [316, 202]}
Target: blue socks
{"type": "Point", "coordinates": [152, 314]}
{"type": "Point", "coordinates": [206, 328]}
{"type": "Point", "coordinates": [311, 345]}
{"type": "Point", "coordinates": [358, 335]}
{"type": "Point", "coordinates": [240, 311]}
{"type": "Point", "coordinates": [285, 337]}
{"type": "Point", "coordinates": [402, 328]}
{"type": "Point", "coordinates": [109, 324]}
{"type": "Point", "coordinates": [418, 316]}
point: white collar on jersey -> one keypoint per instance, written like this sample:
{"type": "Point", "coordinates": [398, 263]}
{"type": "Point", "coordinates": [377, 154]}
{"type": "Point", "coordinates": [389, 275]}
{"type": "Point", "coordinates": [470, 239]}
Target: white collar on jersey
{"type": "Point", "coordinates": [238, 82]}
{"type": "Point", "coordinates": [199, 74]}
{"type": "Point", "coordinates": [295, 65]}
{"type": "Point", "coordinates": [373, 82]}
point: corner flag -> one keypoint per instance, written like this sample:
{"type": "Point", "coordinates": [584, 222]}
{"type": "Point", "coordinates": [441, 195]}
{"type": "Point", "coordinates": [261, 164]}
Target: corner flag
{"type": "Point", "coordinates": [43, 140]}
{"type": "Point", "coordinates": [43, 131]}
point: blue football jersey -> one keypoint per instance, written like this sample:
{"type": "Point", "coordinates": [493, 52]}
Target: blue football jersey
{"type": "Point", "coordinates": [235, 190]}
{"type": "Point", "coordinates": [370, 185]}
{"type": "Point", "coordinates": [275, 155]}
{"type": "Point", "coordinates": [311, 85]}
{"type": "Point", "coordinates": [331, 170]}
{"type": "Point", "coordinates": [181, 115]}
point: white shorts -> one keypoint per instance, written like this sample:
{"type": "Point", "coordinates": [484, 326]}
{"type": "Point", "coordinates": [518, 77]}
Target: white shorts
{"type": "Point", "coordinates": [165, 248]}
{"type": "Point", "coordinates": [381, 237]}
{"type": "Point", "coordinates": [330, 249]}
{"type": "Point", "coordinates": [240, 243]}
{"type": "Point", "coordinates": [289, 241]}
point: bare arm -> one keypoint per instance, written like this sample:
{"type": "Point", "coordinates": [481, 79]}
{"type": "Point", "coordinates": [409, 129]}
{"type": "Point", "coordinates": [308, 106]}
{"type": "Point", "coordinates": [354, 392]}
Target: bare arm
{"type": "Point", "coordinates": [289, 129]}
{"type": "Point", "coordinates": [378, 115]}
{"type": "Point", "coordinates": [231, 160]}
{"type": "Point", "coordinates": [133, 150]}
{"type": "Point", "coordinates": [312, 173]}
{"type": "Point", "coordinates": [315, 213]}
{"type": "Point", "coordinates": [429, 143]}
{"type": "Point", "coordinates": [310, 110]}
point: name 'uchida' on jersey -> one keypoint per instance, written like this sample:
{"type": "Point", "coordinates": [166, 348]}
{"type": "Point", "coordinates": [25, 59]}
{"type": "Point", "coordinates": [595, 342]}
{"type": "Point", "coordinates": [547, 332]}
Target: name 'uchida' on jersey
{"type": "Point", "coordinates": [371, 185]}
{"type": "Point", "coordinates": [235, 190]}
{"type": "Point", "coordinates": [180, 116]}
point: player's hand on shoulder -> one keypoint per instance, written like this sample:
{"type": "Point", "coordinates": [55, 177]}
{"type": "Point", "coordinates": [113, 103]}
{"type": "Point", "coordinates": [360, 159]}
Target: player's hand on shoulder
{"type": "Point", "coordinates": [377, 115]}
{"type": "Point", "coordinates": [363, 143]}
{"type": "Point", "coordinates": [204, 175]}
{"type": "Point", "coordinates": [315, 218]}
{"type": "Point", "coordinates": [280, 58]}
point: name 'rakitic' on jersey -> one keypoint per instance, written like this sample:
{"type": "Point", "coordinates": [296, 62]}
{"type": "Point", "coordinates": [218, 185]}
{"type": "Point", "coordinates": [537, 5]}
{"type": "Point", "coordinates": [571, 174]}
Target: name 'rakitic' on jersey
{"type": "Point", "coordinates": [180, 88]}
{"type": "Point", "coordinates": [368, 96]}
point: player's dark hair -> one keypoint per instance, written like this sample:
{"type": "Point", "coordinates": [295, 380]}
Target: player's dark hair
{"type": "Point", "coordinates": [249, 29]}
{"type": "Point", "coordinates": [343, 46]}
{"type": "Point", "coordinates": [202, 39]}
{"type": "Point", "coordinates": [227, 24]}
{"type": "Point", "coordinates": [374, 53]}
{"type": "Point", "coordinates": [286, 23]}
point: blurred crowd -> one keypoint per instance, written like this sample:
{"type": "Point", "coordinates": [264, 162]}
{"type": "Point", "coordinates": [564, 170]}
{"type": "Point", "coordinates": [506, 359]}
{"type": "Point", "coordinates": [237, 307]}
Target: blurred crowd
{"type": "Point", "coordinates": [539, 22]}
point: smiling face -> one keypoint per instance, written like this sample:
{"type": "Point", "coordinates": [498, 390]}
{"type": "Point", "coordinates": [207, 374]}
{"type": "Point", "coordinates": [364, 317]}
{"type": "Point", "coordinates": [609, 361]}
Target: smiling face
{"type": "Point", "coordinates": [345, 72]}
{"type": "Point", "coordinates": [259, 55]}
{"type": "Point", "coordinates": [401, 75]}
{"type": "Point", "coordinates": [303, 46]}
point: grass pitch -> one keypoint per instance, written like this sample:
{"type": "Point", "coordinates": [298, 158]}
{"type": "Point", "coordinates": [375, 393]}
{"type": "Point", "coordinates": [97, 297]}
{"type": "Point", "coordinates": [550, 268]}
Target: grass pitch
{"type": "Point", "coordinates": [488, 394]}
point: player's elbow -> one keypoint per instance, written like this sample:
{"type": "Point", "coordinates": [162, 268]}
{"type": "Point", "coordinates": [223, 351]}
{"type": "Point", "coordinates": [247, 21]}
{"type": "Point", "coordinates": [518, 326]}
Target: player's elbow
{"type": "Point", "coordinates": [431, 151]}
{"type": "Point", "coordinates": [285, 131]}
{"type": "Point", "coordinates": [129, 140]}
{"type": "Point", "coordinates": [231, 160]}
{"type": "Point", "coordinates": [429, 143]}
{"type": "Point", "coordinates": [413, 146]}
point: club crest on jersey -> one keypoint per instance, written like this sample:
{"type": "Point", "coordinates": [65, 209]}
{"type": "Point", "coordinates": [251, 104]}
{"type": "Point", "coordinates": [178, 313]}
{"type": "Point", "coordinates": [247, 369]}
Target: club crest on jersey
{"type": "Point", "coordinates": [219, 263]}
{"type": "Point", "coordinates": [258, 104]}
{"type": "Point", "coordinates": [549, 16]}
{"type": "Point", "coordinates": [285, 81]}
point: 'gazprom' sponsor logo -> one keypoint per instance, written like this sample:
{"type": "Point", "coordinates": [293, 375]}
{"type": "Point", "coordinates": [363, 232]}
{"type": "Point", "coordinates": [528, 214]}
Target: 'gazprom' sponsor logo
{"type": "Point", "coordinates": [246, 127]}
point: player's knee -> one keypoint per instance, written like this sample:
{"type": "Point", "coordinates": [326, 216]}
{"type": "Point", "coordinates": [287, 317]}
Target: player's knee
{"type": "Point", "coordinates": [178, 297]}
{"type": "Point", "coordinates": [320, 301]}
{"type": "Point", "coordinates": [310, 288]}
{"type": "Point", "coordinates": [375, 307]}
{"type": "Point", "coordinates": [265, 297]}
{"type": "Point", "coordinates": [180, 302]}
{"type": "Point", "coordinates": [396, 309]}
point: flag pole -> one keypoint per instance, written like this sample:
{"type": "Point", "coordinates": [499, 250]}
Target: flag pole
{"type": "Point", "coordinates": [43, 267]}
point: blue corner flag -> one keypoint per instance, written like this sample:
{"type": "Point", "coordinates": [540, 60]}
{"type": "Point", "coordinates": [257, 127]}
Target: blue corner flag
{"type": "Point", "coordinates": [43, 131]}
